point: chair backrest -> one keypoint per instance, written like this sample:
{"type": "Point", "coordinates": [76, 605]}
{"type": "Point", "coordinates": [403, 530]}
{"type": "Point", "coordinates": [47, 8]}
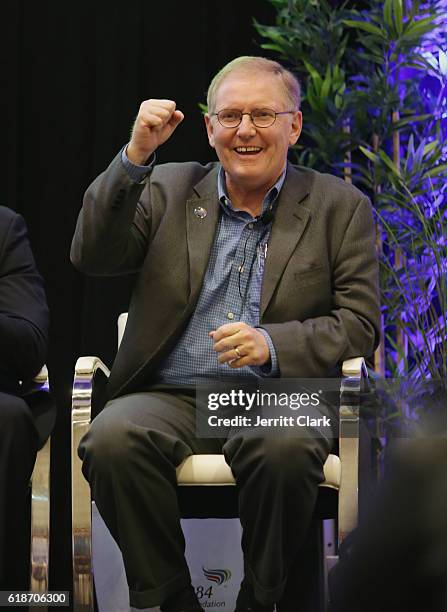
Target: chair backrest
{"type": "Point", "coordinates": [122, 320]}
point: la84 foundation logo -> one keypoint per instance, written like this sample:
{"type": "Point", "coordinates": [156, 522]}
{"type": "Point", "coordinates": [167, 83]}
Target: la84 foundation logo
{"type": "Point", "coordinates": [207, 594]}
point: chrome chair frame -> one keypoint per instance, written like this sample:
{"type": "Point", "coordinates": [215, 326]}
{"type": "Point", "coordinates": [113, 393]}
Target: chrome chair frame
{"type": "Point", "coordinates": [219, 474]}
{"type": "Point", "coordinates": [40, 504]}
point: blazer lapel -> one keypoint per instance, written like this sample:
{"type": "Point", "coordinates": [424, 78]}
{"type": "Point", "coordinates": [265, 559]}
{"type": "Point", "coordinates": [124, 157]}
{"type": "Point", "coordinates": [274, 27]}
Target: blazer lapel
{"type": "Point", "coordinates": [290, 221]}
{"type": "Point", "coordinates": [202, 214]}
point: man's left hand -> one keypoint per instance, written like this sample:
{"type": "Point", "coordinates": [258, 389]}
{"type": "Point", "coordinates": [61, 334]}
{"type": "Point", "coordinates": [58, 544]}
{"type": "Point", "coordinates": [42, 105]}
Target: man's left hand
{"type": "Point", "coordinates": [240, 345]}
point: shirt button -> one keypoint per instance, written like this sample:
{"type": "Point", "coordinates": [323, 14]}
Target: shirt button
{"type": "Point", "coordinates": [250, 226]}
{"type": "Point", "coordinates": [230, 316]}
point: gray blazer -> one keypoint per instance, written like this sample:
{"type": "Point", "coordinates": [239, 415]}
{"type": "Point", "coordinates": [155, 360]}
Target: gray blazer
{"type": "Point", "coordinates": [319, 300]}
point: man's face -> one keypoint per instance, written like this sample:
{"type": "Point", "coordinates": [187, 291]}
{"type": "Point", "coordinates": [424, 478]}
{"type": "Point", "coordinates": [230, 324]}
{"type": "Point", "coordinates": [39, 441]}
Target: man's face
{"type": "Point", "coordinates": [259, 168]}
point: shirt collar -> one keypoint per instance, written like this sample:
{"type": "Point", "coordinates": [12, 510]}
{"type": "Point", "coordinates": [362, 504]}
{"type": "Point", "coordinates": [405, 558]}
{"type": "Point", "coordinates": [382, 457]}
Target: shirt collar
{"type": "Point", "coordinates": [270, 196]}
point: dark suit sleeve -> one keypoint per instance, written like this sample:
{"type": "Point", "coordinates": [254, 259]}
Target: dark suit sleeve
{"type": "Point", "coordinates": [23, 306]}
{"type": "Point", "coordinates": [111, 236]}
{"type": "Point", "coordinates": [314, 346]}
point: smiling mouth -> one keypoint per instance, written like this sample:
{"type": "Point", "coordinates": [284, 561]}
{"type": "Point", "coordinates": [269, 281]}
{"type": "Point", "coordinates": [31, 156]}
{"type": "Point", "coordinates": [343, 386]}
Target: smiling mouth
{"type": "Point", "coordinates": [247, 150]}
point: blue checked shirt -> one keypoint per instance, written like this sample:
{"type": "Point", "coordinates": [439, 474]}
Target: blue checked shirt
{"type": "Point", "coordinates": [231, 291]}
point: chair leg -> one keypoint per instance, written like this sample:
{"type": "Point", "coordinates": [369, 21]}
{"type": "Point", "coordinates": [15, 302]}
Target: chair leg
{"type": "Point", "coordinates": [83, 589]}
{"type": "Point", "coordinates": [330, 553]}
{"type": "Point", "coordinates": [40, 522]}
{"type": "Point", "coordinates": [81, 509]}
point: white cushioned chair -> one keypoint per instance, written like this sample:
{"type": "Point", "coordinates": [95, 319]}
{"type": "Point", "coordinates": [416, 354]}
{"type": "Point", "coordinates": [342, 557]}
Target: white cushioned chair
{"type": "Point", "coordinates": [199, 475]}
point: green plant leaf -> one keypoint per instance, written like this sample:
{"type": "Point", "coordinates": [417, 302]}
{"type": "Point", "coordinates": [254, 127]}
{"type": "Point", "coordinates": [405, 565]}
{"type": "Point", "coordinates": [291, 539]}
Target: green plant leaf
{"type": "Point", "coordinates": [314, 74]}
{"type": "Point", "coordinates": [417, 29]}
{"type": "Point", "coordinates": [313, 100]}
{"type": "Point", "coordinates": [387, 16]}
{"type": "Point", "coordinates": [364, 25]}
{"type": "Point", "coordinates": [397, 9]}
{"type": "Point", "coordinates": [412, 119]}
{"type": "Point", "coordinates": [369, 154]}
{"type": "Point", "coordinates": [273, 47]}
{"type": "Point", "coordinates": [326, 86]}
{"type": "Point", "coordinates": [428, 148]}
{"type": "Point", "coordinates": [389, 162]}
{"type": "Point", "coordinates": [437, 170]}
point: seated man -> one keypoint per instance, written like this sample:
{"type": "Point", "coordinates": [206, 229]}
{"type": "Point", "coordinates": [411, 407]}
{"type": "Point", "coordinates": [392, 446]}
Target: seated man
{"type": "Point", "coordinates": [23, 344]}
{"type": "Point", "coordinates": [249, 268]}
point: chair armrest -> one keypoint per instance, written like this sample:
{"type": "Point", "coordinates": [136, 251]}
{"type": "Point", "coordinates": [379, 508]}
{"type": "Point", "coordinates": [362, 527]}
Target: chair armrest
{"type": "Point", "coordinates": [42, 377]}
{"type": "Point", "coordinates": [354, 373]}
{"type": "Point", "coordinates": [86, 366]}
{"type": "Point", "coordinates": [354, 367]}
{"type": "Point", "coordinates": [38, 383]}
{"type": "Point", "coordinates": [86, 370]}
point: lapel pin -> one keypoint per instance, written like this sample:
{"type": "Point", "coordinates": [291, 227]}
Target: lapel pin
{"type": "Point", "coordinates": [200, 212]}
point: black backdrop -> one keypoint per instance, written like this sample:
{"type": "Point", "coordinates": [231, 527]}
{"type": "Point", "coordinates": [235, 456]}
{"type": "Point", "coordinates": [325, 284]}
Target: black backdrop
{"type": "Point", "coordinates": [76, 74]}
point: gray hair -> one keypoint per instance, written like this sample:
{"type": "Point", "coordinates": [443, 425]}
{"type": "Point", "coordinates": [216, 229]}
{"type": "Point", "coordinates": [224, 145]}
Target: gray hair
{"type": "Point", "coordinates": [249, 64]}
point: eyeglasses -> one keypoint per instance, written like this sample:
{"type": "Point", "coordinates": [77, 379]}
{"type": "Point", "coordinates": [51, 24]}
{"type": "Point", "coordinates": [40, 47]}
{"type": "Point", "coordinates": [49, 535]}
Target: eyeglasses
{"type": "Point", "coordinates": [261, 117]}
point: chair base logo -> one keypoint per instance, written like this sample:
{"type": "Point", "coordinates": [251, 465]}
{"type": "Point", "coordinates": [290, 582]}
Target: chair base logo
{"type": "Point", "coordinates": [219, 576]}
{"type": "Point", "coordinates": [207, 595]}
